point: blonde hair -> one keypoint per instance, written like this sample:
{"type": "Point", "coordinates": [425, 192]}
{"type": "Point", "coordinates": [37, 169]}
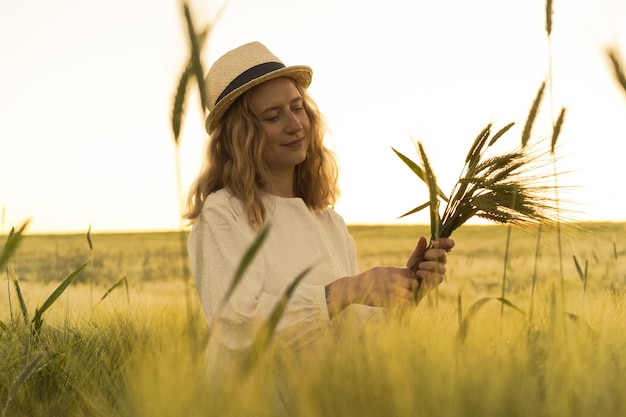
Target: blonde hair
{"type": "Point", "coordinates": [233, 160]}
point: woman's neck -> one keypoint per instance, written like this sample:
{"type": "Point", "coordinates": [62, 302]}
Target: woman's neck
{"type": "Point", "coordinates": [282, 185]}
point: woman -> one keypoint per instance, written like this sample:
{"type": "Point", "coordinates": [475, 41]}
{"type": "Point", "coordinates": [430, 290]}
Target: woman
{"type": "Point", "coordinates": [266, 164]}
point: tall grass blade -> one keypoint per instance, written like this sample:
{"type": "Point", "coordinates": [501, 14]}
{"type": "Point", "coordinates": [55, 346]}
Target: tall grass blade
{"type": "Point", "coordinates": [91, 260]}
{"type": "Point", "coordinates": [38, 318]}
{"type": "Point", "coordinates": [12, 242]}
{"type": "Point", "coordinates": [179, 103]}
{"type": "Point", "coordinates": [554, 315]}
{"type": "Point", "coordinates": [262, 339]}
{"type": "Point", "coordinates": [549, 17]}
{"type": "Point", "coordinates": [464, 328]}
{"type": "Point", "coordinates": [618, 66]}
{"type": "Point", "coordinates": [431, 182]}
{"type": "Point", "coordinates": [579, 269]}
{"type": "Point", "coordinates": [459, 309]}
{"type": "Point", "coordinates": [196, 63]}
{"type": "Point", "coordinates": [190, 71]}
{"type": "Point", "coordinates": [246, 260]}
{"type": "Point", "coordinates": [89, 238]}
{"type": "Point", "coordinates": [533, 284]}
{"type": "Point", "coordinates": [557, 129]}
{"type": "Point", "coordinates": [20, 298]}
{"type": "Point", "coordinates": [506, 267]}
{"type": "Point", "coordinates": [26, 373]}
{"type": "Point", "coordinates": [530, 120]}
{"type": "Point", "coordinates": [113, 287]}
{"type": "Point", "coordinates": [3, 326]}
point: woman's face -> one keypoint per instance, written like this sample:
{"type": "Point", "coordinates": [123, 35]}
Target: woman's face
{"type": "Point", "coordinates": [280, 109]}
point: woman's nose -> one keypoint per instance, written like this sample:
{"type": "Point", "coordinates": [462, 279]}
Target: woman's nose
{"type": "Point", "coordinates": [294, 124]}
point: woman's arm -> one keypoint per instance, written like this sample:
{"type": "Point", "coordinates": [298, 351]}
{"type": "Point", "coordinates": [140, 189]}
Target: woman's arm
{"type": "Point", "coordinates": [392, 286]}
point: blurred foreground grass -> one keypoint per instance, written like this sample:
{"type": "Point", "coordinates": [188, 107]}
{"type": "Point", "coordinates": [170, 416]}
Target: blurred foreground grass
{"type": "Point", "coordinates": [140, 356]}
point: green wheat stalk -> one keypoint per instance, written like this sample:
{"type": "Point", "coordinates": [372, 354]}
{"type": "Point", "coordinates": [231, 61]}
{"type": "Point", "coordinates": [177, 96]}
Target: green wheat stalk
{"type": "Point", "coordinates": [13, 241]}
{"type": "Point", "coordinates": [556, 130]}
{"type": "Point", "coordinates": [90, 243]}
{"type": "Point", "coordinates": [528, 126]}
{"type": "Point", "coordinates": [617, 65]}
{"type": "Point", "coordinates": [549, 17]}
{"type": "Point", "coordinates": [193, 69]}
{"type": "Point", "coordinates": [119, 283]}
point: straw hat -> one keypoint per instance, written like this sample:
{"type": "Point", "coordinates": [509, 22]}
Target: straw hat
{"type": "Point", "coordinates": [239, 70]}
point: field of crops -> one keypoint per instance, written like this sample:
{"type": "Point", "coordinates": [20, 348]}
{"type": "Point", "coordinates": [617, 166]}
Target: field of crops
{"type": "Point", "coordinates": [127, 336]}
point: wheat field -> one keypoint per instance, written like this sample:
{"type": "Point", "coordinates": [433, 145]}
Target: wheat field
{"type": "Point", "coordinates": [140, 350]}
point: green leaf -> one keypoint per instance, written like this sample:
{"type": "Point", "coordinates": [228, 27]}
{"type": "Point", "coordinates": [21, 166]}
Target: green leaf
{"type": "Point", "coordinates": [246, 260]}
{"type": "Point", "coordinates": [418, 171]}
{"type": "Point", "coordinates": [37, 319]}
{"type": "Point", "coordinates": [416, 209]}
{"type": "Point", "coordinates": [4, 326]}
{"type": "Point", "coordinates": [263, 337]}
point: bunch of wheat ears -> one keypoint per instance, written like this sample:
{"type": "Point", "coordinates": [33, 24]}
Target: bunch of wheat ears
{"type": "Point", "coordinates": [508, 188]}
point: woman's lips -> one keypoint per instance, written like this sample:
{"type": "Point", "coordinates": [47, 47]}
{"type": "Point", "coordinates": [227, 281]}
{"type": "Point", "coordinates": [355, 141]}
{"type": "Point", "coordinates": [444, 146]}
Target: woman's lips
{"type": "Point", "coordinates": [294, 143]}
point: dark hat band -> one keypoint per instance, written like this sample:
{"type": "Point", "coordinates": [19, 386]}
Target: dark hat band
{"type": "Point", "coordinates": [249, 75]}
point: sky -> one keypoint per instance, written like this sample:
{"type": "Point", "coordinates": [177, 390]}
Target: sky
{"type": "Point", "coordinates": [86, 92]}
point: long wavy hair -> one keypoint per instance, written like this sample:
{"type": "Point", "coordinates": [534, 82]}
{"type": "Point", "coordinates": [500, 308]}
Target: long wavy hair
{"type": "Point", "coordinates": [233, 160]}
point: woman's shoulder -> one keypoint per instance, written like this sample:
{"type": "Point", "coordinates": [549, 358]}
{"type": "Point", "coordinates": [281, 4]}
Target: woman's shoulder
{"type": "Point", "coordinates": [222, 201]}
{"type": "Point", "coordinates": [218, 197]}
{"type": "Point", "coordinates": [329, 214]}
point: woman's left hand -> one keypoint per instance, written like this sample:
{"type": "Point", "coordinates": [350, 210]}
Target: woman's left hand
{"type": "Point", "coordinates": [429, 263]}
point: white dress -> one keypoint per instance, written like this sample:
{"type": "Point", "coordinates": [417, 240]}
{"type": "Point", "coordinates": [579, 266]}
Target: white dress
{"type": "Point", "coordinates": [298, 238]}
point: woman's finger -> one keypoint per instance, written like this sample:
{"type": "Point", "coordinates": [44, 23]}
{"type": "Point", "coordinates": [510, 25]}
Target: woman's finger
{"type": "Point", "coordinates": [418, 253]}
{"type": "Point", "coordinates": [438, 255]}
